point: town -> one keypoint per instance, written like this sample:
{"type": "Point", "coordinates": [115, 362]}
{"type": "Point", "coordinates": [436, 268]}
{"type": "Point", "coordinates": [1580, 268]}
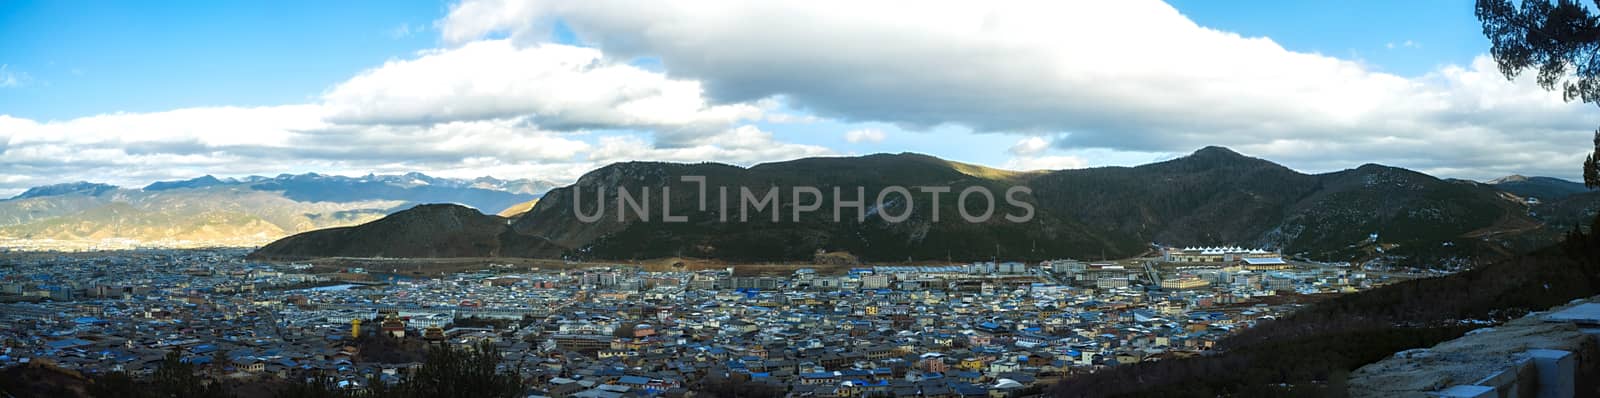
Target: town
{"type": "Point", "coordinates": [612, 330]}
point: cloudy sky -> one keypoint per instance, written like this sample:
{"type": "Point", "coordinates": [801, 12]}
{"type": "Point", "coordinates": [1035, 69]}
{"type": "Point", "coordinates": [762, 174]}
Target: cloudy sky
{"type": "Point", "coordinates": [133, 93]}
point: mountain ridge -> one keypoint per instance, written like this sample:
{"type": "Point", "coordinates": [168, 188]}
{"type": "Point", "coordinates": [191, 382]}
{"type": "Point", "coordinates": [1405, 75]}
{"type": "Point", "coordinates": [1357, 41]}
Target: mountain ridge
{"type": "Point", "coordinates": [1541, 188]}
{"type": "Point", "coordinates": [64, 189]}
{"type": "Point", "coordinates": [1212, 196]}
{"type": "Point", "coordinates": [249, 211]}
{"type": "Point", "coordinates": [525, 185]}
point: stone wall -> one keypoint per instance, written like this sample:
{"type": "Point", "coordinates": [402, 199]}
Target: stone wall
{"type": "Point", "coordinates": [1552, 354]}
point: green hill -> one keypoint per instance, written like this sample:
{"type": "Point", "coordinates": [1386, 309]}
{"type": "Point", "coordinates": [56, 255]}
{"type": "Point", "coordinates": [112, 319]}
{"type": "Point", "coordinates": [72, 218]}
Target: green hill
{"type": "Point", "coordinates": [422, 231]}
{"type": "Point", "coordinates": [1212, 197]}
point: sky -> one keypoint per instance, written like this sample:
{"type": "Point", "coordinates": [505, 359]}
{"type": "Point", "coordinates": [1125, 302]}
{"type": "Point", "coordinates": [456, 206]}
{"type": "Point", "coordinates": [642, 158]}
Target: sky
{"type": "Point", "coordinates": [129, 93]}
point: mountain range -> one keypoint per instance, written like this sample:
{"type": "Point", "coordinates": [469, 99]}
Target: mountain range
{"type": "Point", "coordinates": [208, 211]}
{"type": "Point", "coordinates": [1213, 196]}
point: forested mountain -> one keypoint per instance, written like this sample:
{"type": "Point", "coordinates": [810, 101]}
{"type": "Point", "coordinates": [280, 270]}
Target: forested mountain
{"type": "Point", "coordinates": [1212, 197]}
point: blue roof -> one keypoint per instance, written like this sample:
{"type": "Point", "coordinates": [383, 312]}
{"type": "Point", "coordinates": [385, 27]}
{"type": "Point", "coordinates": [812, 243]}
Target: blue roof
{"type": "Point", "coordinates": [969, 389]}
{"type": "Point", "coordinates": [637, 380]}
{"type": "Point", "coordinates": [68, 343]}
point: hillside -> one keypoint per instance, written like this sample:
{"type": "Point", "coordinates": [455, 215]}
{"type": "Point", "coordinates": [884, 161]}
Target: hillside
{"type": "Point", "coordinates": [1213, 196]}
{"type": "Point", "coordinates": [1310, 352]}
{"type": "Point", "coordinates": [517, 210]}
{"type": "Point", "coordinates": [208, 211]}
{"type": "Point", "coordinates": [1570, 210]}
{"type": "Point", "coordinates": [1543, 188]}
{"type": "Point", "coordinates": [761, 239]}
{"type": "Point", "coordinates": [439, 230]}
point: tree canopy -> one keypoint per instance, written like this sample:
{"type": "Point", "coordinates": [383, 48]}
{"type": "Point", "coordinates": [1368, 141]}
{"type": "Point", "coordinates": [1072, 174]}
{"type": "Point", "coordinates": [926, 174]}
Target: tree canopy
{"type": "Point", "coordinates": [1560, 40]}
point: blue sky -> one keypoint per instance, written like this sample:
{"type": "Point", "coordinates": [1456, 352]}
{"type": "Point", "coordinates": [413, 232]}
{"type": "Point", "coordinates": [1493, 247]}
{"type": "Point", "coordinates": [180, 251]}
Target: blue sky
{"type": "Point", "coordinates": [90, 57]}
{"type": "Point", "coordinates": [103, 57]}
{"type": "Point", "coordinates": [68, 61]}
{"type": "Point", "coordinates": [1441, 32]}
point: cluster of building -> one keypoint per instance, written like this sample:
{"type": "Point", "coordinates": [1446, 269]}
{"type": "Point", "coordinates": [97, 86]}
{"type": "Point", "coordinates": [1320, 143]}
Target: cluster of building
{"type": "Point", "coordinates": [980, 329]}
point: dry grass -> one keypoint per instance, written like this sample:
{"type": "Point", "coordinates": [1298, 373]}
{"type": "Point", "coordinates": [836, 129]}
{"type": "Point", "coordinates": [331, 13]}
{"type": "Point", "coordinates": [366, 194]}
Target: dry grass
{"type": "Point", "coordinates": [517, 210]}
{"type": "Point", "coordinates": [989, 172]}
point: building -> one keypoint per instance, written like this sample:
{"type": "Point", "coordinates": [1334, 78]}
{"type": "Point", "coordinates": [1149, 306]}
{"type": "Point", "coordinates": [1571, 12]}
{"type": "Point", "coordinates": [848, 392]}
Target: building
{"type": "Point", "coordinates": [934, 362]}
{"type": "Point", "coordinates": [582, 343]}
{"type": "Point", "coordinates": [1277, 282]}
{"type": "Point", "coordinates": [1111, 283]}
{"type": "Point", "coordinates": [1097, 272]}
{"type": "Point", "coordinates": [1184, 283]}
{"type": "Point", "coordinates": [1210, 254]}
{"type": "Point", "coordinates": [393, 326]}
{"type": "Point", "coordinates": [433, 333]}
{"type": "Point", "coordinates": [1265, 263]}
{"type": "Point", "coordinates": [874, 281]}
{"type": "Point", "coordinates": [756, 282]}
{"type": "Point", "coordinates": [432, 320]}
{"type": "Point", "coordinates": [1013, 268]}
{"type": "Point", "coordinates": [1068, 267]}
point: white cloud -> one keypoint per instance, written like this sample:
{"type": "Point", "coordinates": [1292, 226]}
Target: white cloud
{"type": "Point", "coordinates": [218, 126]}
{"type": "Point", "coordinates": [136, 148]}
{"type": "Point", "coordinates": [864, 135]}
{"type": "Point", "coordinates": [787, 118]}
{"type": "Point", "coordinates": [9, 78]}
{"type": "Point", "coordinates": [1405, 44]}
{"type": "Point", "coordinates": [1030, 163]}
{"type": "Point", "coordinates": [1132, 77]}
{"type": "Point", "coordinates": [745, 145]}
{"type": "Point", "coordinates": [566, 87]}
{"type": "Point", "coordinates": [133, 149]}
{"type": "Point", "coordinates": [487, 108]}
{"type": "Point", "coordinates": [1122, 75]}
{"type": "Point", "coordinates": [400, 32]}
{"type": "Point", "coordinates": [1028, 154]}
{"type": "Point", "coordinates": [1029, 146]}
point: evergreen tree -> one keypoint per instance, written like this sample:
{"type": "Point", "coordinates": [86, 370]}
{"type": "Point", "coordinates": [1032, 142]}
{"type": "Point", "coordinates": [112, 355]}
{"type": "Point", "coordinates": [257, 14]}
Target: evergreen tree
{"type": "Point", "coordinates": [319, 386]}
{"type": "Point", "coordinates": [447, 372]}
{"type": "Point", "coordinates": [1559, 39]}
{"type": "Point", "coordinates": [176, 378]}
{"type": "Point", "coordinates": [115, 384]}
